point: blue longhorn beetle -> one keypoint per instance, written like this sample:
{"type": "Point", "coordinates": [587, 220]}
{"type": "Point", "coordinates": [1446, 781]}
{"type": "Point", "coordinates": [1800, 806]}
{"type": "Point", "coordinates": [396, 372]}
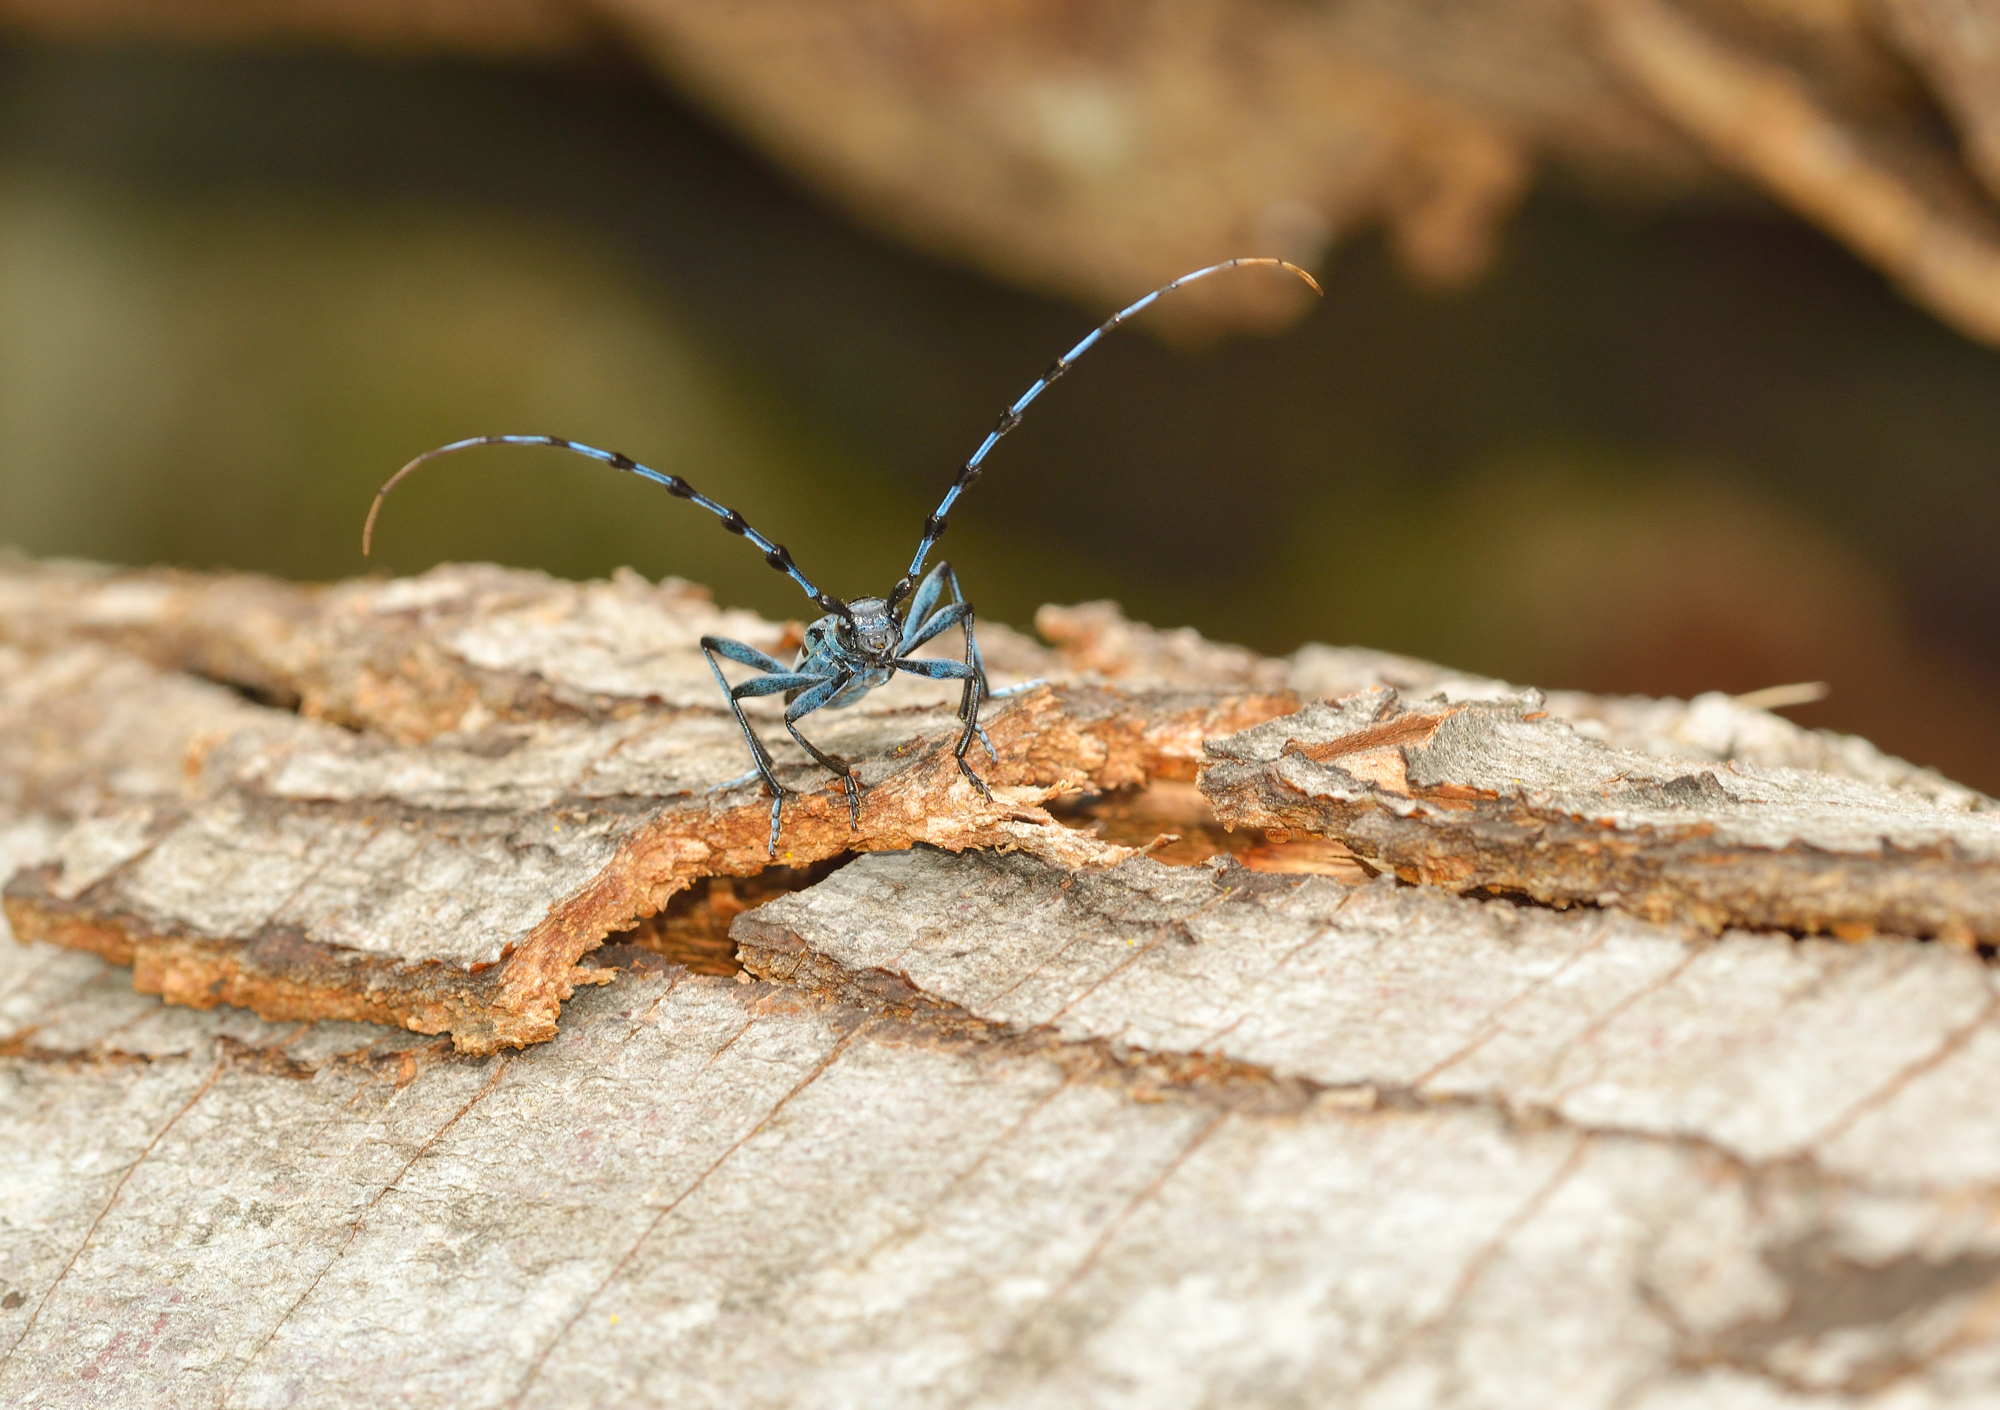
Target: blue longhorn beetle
{"type": "Point", "coordinates": [858, 645]}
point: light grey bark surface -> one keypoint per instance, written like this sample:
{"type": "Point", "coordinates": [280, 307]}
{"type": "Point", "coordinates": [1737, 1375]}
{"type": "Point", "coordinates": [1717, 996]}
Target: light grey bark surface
{"type": "Point", "coordinates": [1762, 1047]}
{"type": "Point", "coordinates": [1032, 1120]}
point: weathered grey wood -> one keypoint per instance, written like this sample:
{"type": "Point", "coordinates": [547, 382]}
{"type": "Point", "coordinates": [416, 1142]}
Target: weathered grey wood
{"type": "Point", "coordinates": [1397, 994]}
{"type": "Point", "coordinates": [1499, 796]}
{"type": "Point", "coordinates": [486, 772]}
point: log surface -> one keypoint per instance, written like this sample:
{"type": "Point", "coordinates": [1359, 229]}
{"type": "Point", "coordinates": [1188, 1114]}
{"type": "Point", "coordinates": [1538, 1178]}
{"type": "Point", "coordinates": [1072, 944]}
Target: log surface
{"type": "Point", "coordinates": [1027, 1118]}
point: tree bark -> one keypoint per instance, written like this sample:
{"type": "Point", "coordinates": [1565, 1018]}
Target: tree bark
{"type": "Point", "coordinates": [1003, 1112]}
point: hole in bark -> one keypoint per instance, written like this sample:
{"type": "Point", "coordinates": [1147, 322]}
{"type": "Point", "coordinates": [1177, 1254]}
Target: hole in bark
{"type": "Point", "coordinates": [1133, 817]}
{"type": "Point", "coordinates": [693, 930]}
{"type": "Point", "coordinates": [271, 697]}
{"type": "Point", "coordinates": [1519, 899]}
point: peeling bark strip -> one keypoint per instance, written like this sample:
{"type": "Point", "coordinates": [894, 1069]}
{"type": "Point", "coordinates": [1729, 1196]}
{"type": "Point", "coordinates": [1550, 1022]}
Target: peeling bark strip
{"type": "Point", "coordinates": [1498, 796]}
{"type": "Point", "coordinates": [521, 769]}
{"type": "Point", "coordinates": [323, 875]}
{"type": "Point", "coordinates": [467, 648]}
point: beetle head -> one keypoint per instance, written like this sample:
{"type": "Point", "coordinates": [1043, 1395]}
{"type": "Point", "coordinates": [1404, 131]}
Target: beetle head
{"type": "Point", "coordinates": [873, 628]}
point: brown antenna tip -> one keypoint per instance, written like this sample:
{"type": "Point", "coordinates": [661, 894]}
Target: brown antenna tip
{"type": "Point", "coordinates": [1311, 283]}
{"type": "Point", "coordinates": [368, 529]}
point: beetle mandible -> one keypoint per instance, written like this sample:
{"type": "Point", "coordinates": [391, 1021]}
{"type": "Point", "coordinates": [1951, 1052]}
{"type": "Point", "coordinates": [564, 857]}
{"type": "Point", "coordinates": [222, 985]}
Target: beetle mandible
{"type": "Point", "coordinates": [860, 644]}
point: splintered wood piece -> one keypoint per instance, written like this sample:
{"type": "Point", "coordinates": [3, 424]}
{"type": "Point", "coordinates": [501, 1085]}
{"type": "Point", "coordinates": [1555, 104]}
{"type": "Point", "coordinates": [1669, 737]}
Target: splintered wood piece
{"type": "Point", "coordinates": [1096, 642]}
{"type": "Point", "coordinates": [1881, 191]}
{"type": "Point", "coordinates": [1498, 796]}
{"type": "Point", "coordinates": [1274, 1143]}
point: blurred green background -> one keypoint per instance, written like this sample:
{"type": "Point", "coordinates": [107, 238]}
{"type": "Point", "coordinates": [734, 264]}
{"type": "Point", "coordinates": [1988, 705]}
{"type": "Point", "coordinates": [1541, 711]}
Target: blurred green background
{"type": "Point", "coordinates": [1660, 452]}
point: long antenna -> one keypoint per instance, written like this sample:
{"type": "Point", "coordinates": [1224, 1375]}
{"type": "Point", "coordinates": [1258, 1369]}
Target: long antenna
{"type": "Point", "coordinates": [775, 554]}
{"type": "Point", "coordinates": [934, 526]}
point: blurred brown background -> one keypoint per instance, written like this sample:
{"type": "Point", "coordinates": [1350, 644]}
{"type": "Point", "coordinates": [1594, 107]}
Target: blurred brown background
{"type": "Point", "coordinates": [1650, 358]}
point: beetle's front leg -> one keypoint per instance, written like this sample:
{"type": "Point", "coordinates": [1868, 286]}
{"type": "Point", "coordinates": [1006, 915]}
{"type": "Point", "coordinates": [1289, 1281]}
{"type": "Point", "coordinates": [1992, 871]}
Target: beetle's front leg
{"type": "Point", "coordinates": [925, 624]}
